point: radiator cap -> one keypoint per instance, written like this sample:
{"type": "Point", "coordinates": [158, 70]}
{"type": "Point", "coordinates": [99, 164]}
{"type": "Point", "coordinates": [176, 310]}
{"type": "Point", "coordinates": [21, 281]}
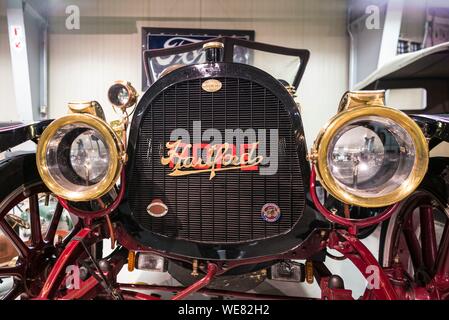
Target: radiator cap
{"type": "Point", "coordinates": [214, 51]}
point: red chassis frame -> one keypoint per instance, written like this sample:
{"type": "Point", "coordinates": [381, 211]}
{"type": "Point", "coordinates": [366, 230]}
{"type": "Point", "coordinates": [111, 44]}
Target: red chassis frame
{"type": "Point", "coordinates": [390, 282]}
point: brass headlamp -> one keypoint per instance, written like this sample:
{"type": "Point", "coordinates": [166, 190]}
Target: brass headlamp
{"type": "Point", "coordinates": [80, 156]}
{"type": "Point", "coordinates": [370, 155]}
{"type": "Point", "coordinates": [122, 95]}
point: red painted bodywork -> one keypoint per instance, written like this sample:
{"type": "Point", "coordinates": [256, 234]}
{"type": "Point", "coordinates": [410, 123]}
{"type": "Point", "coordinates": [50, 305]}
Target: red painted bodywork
{"type": "Point", "coordinates": [353, 225]}
{"type": "Point", "coordinates": [89, 215]}
{"type": "Point", "coordinates": [391, 282]}
{"type": "Point", "coordinates": [59, 269]}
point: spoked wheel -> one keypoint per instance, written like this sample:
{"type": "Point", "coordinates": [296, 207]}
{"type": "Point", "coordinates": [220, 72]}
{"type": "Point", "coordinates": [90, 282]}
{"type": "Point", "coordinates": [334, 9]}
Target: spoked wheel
{"type": "Point", "coordinates": [417, 239]}
{"type": "Point", "coordinates": [33, 230]}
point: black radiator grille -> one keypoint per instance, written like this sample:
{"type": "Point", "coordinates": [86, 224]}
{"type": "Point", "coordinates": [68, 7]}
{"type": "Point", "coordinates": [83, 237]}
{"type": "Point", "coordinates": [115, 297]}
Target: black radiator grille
{"type": "Point", "coordinates": [227, 208]}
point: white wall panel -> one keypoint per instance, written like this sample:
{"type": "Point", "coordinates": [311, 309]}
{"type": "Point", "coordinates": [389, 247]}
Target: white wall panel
{"type": "Point", "coordinates": [8, 110]}
{"type": "Point", "coordinates": [82, 67]}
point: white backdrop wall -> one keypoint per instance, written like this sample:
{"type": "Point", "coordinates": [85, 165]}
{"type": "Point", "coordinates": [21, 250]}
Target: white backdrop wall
{"type": "Point", "coordinates": [8, 110]}
{"type": "Point", "coordinates": [83, 63]}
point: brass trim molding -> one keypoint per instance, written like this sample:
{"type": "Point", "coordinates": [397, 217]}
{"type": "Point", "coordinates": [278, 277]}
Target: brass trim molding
{"type": "Point", "coordinates": [90, 107]}
{"type": "Point", "coordinates": [170, 69]}
{"type": "Point", "coordinates": [354, 99]}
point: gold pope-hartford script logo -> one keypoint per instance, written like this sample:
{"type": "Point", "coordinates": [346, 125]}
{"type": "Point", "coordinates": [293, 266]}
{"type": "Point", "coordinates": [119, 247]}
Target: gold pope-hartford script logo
{"type": "Point", "coordinates": [186, 159]}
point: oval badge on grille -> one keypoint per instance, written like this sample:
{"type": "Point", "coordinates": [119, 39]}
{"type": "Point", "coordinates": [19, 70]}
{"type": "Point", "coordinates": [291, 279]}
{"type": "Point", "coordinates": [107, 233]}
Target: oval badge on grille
{"type": "Point", "coordinates": [211, 85]}
{"type": "Point", "coordinates": [157, 208]}
{"type": "Point", "coordinates": [271, 212]}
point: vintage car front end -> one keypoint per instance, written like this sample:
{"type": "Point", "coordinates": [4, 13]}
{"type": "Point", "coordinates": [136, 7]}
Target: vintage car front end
{"type": "Point", "coordinates": [216, 178]}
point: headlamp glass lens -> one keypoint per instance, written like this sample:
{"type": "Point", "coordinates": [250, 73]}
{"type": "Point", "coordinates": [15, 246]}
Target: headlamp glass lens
{"type": "Point", "coordinates": [77, 157]}
{"type": "Point", "coordinates": [371, 156]}
{"type": "Point", "coordinates": [123, 96]}
{"type": "Point", "coordinates": [118, 95]}
{"type": "Point", "coordinates": [89, 156]}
